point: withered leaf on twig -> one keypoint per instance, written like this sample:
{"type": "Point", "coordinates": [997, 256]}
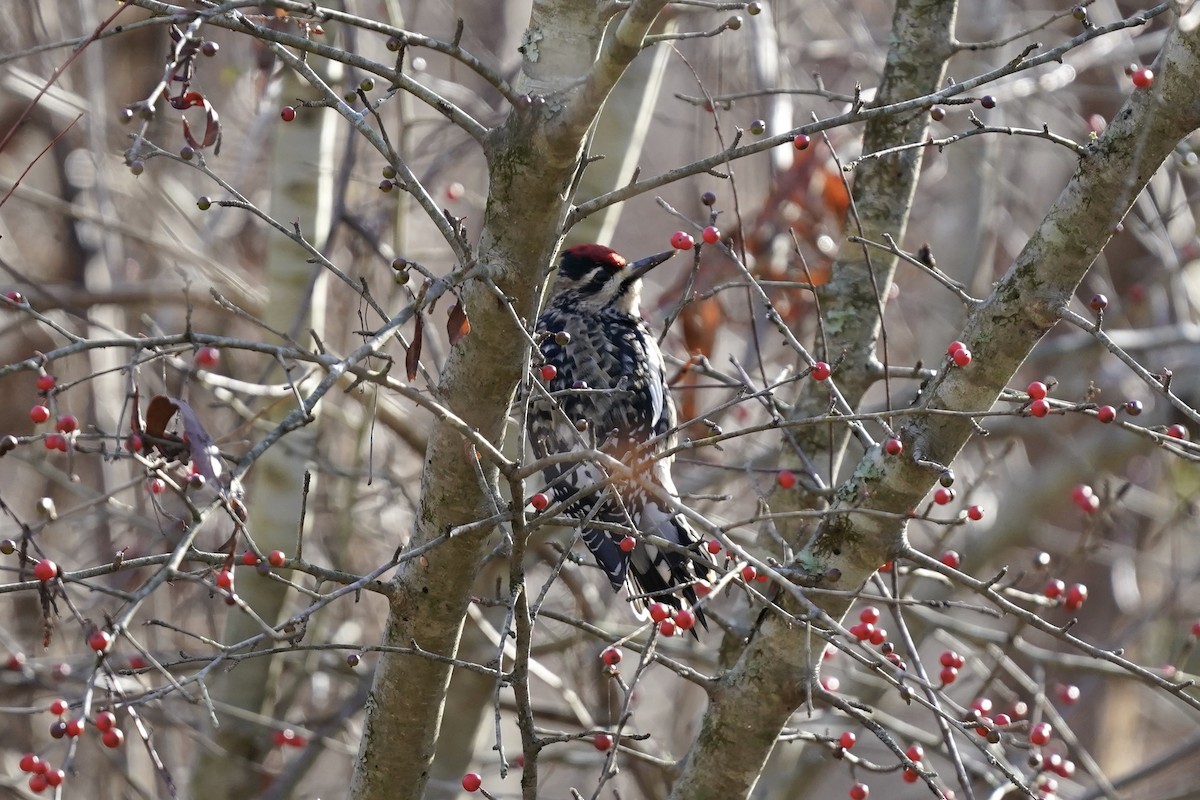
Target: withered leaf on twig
{"type": "Point", "coordinates": [457, 326]}
{"type": "Point", "coordinates": [413, 357]}
{"type": "Point", "coordinates": [205, 455]}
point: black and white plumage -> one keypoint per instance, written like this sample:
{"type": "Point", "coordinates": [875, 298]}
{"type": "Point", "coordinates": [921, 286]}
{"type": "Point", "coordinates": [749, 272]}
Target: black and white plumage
{"type": "Point", "coordinates": [610, 375]}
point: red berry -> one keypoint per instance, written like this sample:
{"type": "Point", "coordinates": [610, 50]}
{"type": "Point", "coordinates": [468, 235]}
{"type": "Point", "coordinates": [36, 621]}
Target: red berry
{"type": "Point", "coordinates": [38, 783]}
{"type": "Point", "coordinates": [16, 297]}
{"type": "Point", "coordinates": [943, 495]}
{"type": "Point", "coordinates": [948, 675]}
{"type": "Point", "coordinates": [156, 485]}
{"type": "Point", "coordinates": [471, 782]}
{"type": "Point", "coordinates": [1106, 414]}
{"type": "Point", "coordinates": [786, 478]}
{"type": "Point", "coordinates": [113, 738]}
{"type": "Point", "coordinates": [847, 740]}
{"type": "Point", "coordinates": [549, 372]}
{"type": "Point", "coordinates": [602, 742]}
{"type": "Point", "coordinates": [56, 441]}
{"type": "Point", "coordinates": [29, 762]}
{"type": "Point", "coordinates": [106, 720]}
{"type": "Point", "coordinates": [1195, 631]}
{"type": "Point", "coordinates": [287, 113]}
{"type": "Point", "coordinates": [975, 513]}
{"type": "Point", "coordinates": [954, 347]}
{"type": "Point", "coordinates": [284, 737]}
{"type": "Point", "coordinates": [749, 573]}
{"type": "Point", "coordinates": [1040, 733]}
{"type": "Point", "coordinates": [276, 558]}
{"type": "Point", "coordinates": [681, 240]}
{"type": "Point", "coordinates": [1002, 720]}
{"type": "Point", "coordinates": [611, 656]}
{"type": "Point", "coordinates": [39, 414]}
{"type": "Point", "coordinates": [910, 775]}
{"type": "Point", "coordinates": [659, 611]}
{"type": "Point", "coordinates": [713, 546]}
{"type": "Point", "coordinates": [878, 636]}
{"type": "Point", "coordinates": [1098, 303]}
{"type": "Point", "coordinates": [76, 727]}
{"type": "Point", "coordinates": [627, 544]}
{"type": "Point", "coordinates": [983, 705]}
{"type": "Point", "coordinates": [58, 707]}
{"type": "Point", "coordinates": [1143, 78]}
{"type": "Point", "coordinates": [859, 791]}
{"type": "Point", "coordinates": [1054, 589]}
{"type": "Point", "coordinates": [1177, 431]}
{"type": "Point", "coordinates": [1076, 596]}
{"type": "Point", "coordinates": [45, 570]}
{"type": "Point", "coordinates": [16, 661]}
{"type": "Point", "coordinates": [45, 382]}
{"type": "Point", "coordinates": [869, 614]}
{"type": "Point", "coordinates": [55, 777]}
{"type": "Point", "coordinates": [801, 142]}
{"type": "Point", "coordinates": [1039, 408]}
{"type": "Point", "coordinates": [711, 235]}
{"type": "Point", "coordinates": [666, 627]}
{"type": "Point", "coordinates": [207, 357]}
{"type": "Point", "coordinates": [702, 588]}
{"type": "Point", "coordinates": [1068, 694]}
{"type": "Point", "coordinates": [893, 447]}
{"type": "Point", "coordinates": [888, 567]}
{"type": "Point", "coordinates": [915, 752]}
{"type": "Point", "coordinates": [821, 371]}
{"type": "Point", "coordinates": [951, 559]}
{"type": "Point", "coordinates": [224, 579]}
{"type": "Point", "coordinates": [685, 620]}
{"type": "Point", "coordinates": [539, 501]}
{"type": "Point", "coordinates": [250, 558]}
{"type": "Point", "coordinates": [100, 641]}
{"type": "Point", "coordinates": [1036, 390]}
{"type": "Point", "coordinates": [961, 357]}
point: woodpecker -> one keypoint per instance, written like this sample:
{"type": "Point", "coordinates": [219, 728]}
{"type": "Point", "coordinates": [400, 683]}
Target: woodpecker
{"type": "Point", "coordinates": [608, 393]}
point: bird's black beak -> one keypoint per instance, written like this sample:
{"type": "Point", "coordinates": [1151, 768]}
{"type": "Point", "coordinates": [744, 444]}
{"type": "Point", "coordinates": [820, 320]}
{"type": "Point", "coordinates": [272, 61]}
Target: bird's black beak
{"type": "Point", "coordinates": [639, 268]}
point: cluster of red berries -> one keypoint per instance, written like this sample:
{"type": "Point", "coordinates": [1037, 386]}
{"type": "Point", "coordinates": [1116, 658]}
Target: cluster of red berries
{"type": "Point", "coordinates": [915, 754]}
{"type": "Point", "coordinates": [1039, 406]}
{"type": "Point", "coordinates": [669, 620]}
{"type": "Point", "coordinates": [959, 353]}
{"type": "Point", "coordinates": [64, 426]}
{"type": "Point", "coordinates": [1084, 497]}
{"type": "Point", "coordinates": [682, 240]}
{"type": "Point", "coordinates": [1073, 597]}
{"type": "Point", "coordinates": [951, 663]}
{"type": "Point", "coordinates": [867, 628]}
{"type": "Point", "coordinates": [41, 774]}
